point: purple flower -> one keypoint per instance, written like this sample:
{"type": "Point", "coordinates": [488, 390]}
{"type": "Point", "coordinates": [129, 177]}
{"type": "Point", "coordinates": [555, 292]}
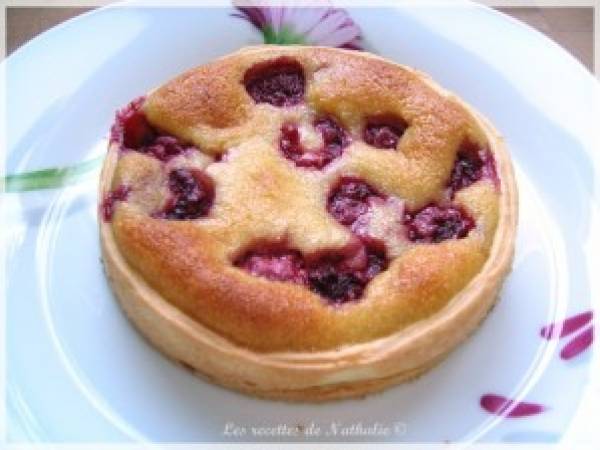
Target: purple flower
{"type": "Point", "coordinates": [310, 25]}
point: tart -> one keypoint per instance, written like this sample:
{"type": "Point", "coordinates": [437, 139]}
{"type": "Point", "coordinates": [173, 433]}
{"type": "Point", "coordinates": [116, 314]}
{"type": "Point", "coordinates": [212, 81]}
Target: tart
{"type": "Point", "coordinates": [306, 223]}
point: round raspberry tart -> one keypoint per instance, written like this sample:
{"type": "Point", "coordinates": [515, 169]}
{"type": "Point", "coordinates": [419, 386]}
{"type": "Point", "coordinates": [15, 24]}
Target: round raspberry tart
{"type": "Point", "coordinates": [306, 223]}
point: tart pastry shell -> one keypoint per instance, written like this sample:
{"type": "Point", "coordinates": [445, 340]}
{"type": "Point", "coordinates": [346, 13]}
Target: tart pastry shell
{"type": "Point", "coordinates": [349, 371]}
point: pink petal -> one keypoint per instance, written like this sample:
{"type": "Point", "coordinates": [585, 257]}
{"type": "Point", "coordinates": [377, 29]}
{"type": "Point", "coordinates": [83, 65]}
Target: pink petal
{"type": "Point", "coordinates": [578, 344]}
{"type": "Point", "coordinates": [566, 327]}
{"type": "Point", "coordinates": [353, 45]}
{"type": "Point", "coordinates": [303, 19]}
{"type": "Point", "coordinates": [255, 16]}
{"type": "Point", "coordinates": [329, 24]}
{"type": "Point", "coordinates": [340, 37]}
{"type": "Point", "coordinates": [312, 18]}
{"type": "Point", "coordinates": [502, 406]}
{"type": "Point", "coordinates": [275, 17]}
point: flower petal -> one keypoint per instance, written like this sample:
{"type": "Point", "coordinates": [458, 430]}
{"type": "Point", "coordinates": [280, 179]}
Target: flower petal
{"type": "Point", "coordinates": [312, 23]}
{"type": "Point", "coordinates": [275, 17]}
{"type": "Point", "coordinates": [304, 19]}
{"type": "Point", "coordinates": [255, 16]}
{"type": "Point", "coordinates": [578, 344]}
{"type": "Point", "coordinates": [566, 327]}
{"type": "Point", "coordinates": [340, 37]}
{"type": "Point", "coordinates": [502, 406]}
{"type": "Point", "coordinates": [328, 24]}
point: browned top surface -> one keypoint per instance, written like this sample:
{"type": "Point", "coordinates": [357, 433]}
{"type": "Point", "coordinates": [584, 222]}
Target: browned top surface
{"type": "Point", "coordinates": [261, 196]}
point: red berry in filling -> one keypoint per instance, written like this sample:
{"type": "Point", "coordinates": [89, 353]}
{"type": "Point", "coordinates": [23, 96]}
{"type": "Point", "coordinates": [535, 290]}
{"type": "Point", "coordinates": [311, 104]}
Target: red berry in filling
{"type": "Point", "coordinates": [279, 82]}
{"type": "Point", "coordinates": [336, 276]}
{"type": "Point", "coordinates": [277, 265]}
{"type": "Point", "coordinates": [384, 133]}
{"type": "Point", "coordinates": [108, 202]}
{"type": "Point", "coordinates": [437, 223]}
{"type": "Point", "coordinates": [333, 278]}
{"type": "Point", "coordinates": [192, 195]}
{"type": "Point", "coordinates": [165, 148]}
{"type": "Point", "coordinates": [338, 287]}
{"type": "Point", "coordinates": [289, 142]}
{"type": "Point", "coordinates": [133, 131]}
{"type": "Point", "coordinates": [472, 164]}
{"type": "Point", "coordinates": [335, 139]}
{"type": "Point", "coordinates": [376, 263]}
{"type": "Point", "coordinates": [222, 157]}
{"type": "Point", "coordinates": [350, 199]}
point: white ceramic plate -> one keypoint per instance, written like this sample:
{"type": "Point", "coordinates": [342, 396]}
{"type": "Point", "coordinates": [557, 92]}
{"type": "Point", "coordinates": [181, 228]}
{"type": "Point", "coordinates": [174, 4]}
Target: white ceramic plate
{"type": "Point", "coordinates": [78, 372]}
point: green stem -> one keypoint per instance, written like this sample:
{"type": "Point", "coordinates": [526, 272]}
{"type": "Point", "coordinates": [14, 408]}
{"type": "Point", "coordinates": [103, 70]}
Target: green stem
{"type": "Point", "coordinates": [286, 36]}
{"type": "Point", "coordinates": [54, 177]}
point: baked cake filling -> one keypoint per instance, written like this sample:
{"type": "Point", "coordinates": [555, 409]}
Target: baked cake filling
{"type": "Point", "coordinates": [336, 276]}
{"type": "Point", "coordinates": [287, 200]}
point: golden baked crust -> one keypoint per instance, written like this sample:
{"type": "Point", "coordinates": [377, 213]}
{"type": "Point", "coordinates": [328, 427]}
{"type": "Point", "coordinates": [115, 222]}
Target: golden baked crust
{"type": "Point", "coordinates": [177, 279]}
